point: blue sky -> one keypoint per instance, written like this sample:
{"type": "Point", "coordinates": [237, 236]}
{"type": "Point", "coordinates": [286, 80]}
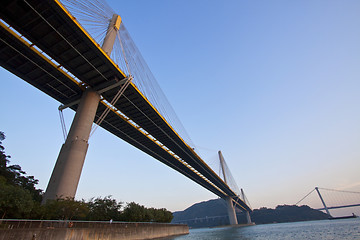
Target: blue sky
{"type": "Point", "coordinates": [274, 85]}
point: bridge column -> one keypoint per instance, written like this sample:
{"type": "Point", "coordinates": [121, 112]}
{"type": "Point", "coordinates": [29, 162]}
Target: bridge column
{"type": "Point", "coordinates": [228, 200]}
{"type": "Point", "coordinates": [231, 211]}
{"type": "Point", "coordinates": [247, 213]}
{"type": "Point", "coordinates": [66, 174]}
{"type": "Point", "coordinates": [110, 37]}
{"type": "Point", "coordinates": [323, 202]}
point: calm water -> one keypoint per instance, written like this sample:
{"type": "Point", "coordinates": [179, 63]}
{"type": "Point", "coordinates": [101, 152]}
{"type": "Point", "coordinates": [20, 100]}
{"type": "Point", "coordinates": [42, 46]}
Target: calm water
{"type": "Point", "coordinates": [335, 229]}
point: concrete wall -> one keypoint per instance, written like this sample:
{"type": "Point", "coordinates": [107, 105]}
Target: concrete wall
{"type": "Point", "coordinates": [60, 230]}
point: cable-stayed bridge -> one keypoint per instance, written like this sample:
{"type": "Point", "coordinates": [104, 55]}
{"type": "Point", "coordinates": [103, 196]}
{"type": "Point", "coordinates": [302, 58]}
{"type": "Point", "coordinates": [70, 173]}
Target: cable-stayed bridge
{"type": "Point", "coordinates": [325, 199]}
{"type": "Point", "coordinates": [105, 80]}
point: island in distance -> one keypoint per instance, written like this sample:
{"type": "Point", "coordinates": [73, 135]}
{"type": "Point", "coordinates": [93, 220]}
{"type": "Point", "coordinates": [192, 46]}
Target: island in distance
{"type": "Point", "coordinates": [213, 213]}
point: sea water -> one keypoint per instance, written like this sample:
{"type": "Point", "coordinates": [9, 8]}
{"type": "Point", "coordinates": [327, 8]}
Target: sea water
{"type": "Point", "coordinates": [344, 229]}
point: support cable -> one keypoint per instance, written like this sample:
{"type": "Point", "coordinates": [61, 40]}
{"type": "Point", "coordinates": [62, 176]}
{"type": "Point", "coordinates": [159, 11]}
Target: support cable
{"type": "Point", "coordinates": [129, 50]}
{"type": "Point", "coordinates": [206, 169]}
{"type": "Point", "coordinates": [123, 52]}
{"type": "Point", "coordinates": [230, 181]}
{"type": "Point", "coordinates": [191, 157]}
{"type": "Point", "coordinates": [165, 160]}
{"type": "Point", "coordinates": [85, 11]}
{"type": "Point", "coordinates": [247, 201]}
{"type": "Point", "coordinates": [63, 126]}
{"type": "Point", "coordinates": [146, 82]}
{"type": "Point", "coordinates": [113, 102]}
{"type": "Point", "coordinates": [305, 197]}
{"type": "Point", "coordinates": [339, 190]}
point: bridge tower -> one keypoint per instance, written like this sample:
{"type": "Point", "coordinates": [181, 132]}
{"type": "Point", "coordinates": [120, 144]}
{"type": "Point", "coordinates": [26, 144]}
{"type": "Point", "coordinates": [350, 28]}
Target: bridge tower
{"type": "Point", "coordinates": [247, 213]}
{"type": "Point", "coordinates": [228, 200]}
{"type": "Point", "coordinates": [66, 174]}
{"type": "Point", "coordinates": [323, 202]}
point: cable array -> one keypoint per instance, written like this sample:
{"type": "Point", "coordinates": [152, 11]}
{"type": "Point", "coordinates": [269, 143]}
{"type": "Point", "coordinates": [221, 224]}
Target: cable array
{"type": "Point", "coordinates": [63, 125]}
{"type": "Point", "coordinates": [333, 198]}
{"type": "Point", "coordinates": [95, 16]}
{"type": "Point", "coordinates": [246, 201]}
{"type": "Point", "coordinates": [230, 181]}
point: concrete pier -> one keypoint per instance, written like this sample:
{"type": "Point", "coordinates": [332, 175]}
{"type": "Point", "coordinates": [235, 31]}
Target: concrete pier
{"type": "Point", "coordinates": [247, 213]}
{"type": "Point", "coordinates": [66, 174]}
{"type": "Point", "coordinates": [228, 200]}
{"type": "Point", "coordinates": [231, 211]}
{"type": "Point", "coordinates": [61, 230]}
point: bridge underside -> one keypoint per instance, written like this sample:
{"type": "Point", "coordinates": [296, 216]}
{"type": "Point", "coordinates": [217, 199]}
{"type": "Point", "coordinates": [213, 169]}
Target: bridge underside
{"type": "Point", "coordinates": [46, 26]}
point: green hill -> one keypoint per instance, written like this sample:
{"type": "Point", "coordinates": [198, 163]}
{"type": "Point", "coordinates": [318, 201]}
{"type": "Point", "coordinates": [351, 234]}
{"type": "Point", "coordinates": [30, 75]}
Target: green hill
{"type": "Point", "coordinates": [214, 213]}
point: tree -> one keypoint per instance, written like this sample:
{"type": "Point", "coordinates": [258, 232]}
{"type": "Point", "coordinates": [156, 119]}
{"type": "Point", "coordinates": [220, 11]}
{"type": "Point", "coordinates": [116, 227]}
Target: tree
{"type": "Point", "coordinates": [65, 209]}
{"type": "Point", "coordinates": [19, 198]}
{"type": "Point", "coordinates": [162, 215]}
{"type": "Point", "coordinates": [14, 175]}
{"type": "Point", "coordinates": [4, 159]}
{"type": "Point", "coordinates": [15, 202]}
{"type": "Point", "coordinates": [104, 209]}
{"type": "Point", "coordinates": [134, 212]}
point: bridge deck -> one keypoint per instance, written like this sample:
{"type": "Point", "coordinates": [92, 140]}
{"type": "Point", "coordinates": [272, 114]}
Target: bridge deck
{"type": "Point", "coordinates": [46, 25]}
{"type": "Point", "coordinates": [336, 207]}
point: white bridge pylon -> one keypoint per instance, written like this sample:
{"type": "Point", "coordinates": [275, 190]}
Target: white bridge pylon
{"type": "Point", "coordinates": [66, 174]}
{"type": "Point", "coordinates": [229, 201]}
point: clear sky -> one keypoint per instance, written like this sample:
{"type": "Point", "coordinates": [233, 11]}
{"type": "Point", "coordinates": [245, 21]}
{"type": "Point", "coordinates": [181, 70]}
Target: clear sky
{"type": "Point", "coordinates": [274, 85]}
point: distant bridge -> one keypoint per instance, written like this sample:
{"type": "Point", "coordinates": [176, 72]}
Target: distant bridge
{"type": "Point", "coordinates": [43, 43]}
{"type": "Point", "coordinates": [346, 199]}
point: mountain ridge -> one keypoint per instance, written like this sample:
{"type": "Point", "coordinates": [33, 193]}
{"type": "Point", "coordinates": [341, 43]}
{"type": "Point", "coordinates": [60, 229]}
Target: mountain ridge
{"type": "Point", "coordinates": [214, 213]}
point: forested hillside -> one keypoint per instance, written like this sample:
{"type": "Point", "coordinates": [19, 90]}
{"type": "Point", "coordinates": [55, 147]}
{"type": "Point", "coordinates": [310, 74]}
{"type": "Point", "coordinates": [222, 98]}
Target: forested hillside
{"type": "Point", "coordinates": [214, 213]}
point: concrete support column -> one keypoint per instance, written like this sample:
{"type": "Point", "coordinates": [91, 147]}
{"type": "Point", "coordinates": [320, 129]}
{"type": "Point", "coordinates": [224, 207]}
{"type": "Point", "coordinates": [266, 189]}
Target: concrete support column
{"type": "Point", "coordinates": [248, 218]}
{"type": "Point", "coordinates": [231, 211]}
{"type": "Point", "coordinates": [247, 213]}
{"type": "Point", "coordinates": [66, 174]}
{"type": "Point", "coordinates": [228, 200]}
{"type": "Point", "coordinates": [110, 37]}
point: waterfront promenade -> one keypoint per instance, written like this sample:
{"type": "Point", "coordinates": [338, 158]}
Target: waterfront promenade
{"type": "Point", "coordinates": [89, 230]}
